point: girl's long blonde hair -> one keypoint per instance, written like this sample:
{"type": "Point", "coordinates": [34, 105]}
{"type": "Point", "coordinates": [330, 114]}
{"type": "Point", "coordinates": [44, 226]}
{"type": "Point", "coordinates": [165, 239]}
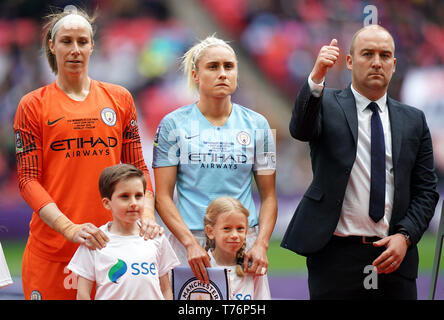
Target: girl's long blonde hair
{"type": "Point", "coordinates": [217, 207]}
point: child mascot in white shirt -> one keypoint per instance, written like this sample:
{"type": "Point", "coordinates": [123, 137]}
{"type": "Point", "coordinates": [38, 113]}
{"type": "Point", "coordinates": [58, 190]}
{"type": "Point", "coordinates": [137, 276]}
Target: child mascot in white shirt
{"type": "Point", "coordinates": [128, 267]}
{"type": "Point", "coordinates": [226, 227]}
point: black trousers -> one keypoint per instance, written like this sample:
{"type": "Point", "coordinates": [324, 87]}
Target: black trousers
{"type": "Point", "coordinates": [342, 270]}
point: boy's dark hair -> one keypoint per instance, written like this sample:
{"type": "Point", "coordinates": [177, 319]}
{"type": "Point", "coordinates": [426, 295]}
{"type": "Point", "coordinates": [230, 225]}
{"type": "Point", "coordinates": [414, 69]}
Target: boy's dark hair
{"type": "Point", "coordinates": [112, 175]}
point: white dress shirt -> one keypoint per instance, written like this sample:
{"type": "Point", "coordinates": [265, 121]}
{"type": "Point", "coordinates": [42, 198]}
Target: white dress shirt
{"type": "Point", "coordinates": [355, 219]}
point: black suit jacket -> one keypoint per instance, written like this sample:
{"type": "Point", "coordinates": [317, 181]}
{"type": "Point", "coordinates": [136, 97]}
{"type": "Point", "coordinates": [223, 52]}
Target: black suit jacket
{"type": "Point", "coordinates": [330, 125]}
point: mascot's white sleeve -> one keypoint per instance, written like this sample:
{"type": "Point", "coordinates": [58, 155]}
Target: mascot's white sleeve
{"type": "Point", "coordinates": [5, 276]}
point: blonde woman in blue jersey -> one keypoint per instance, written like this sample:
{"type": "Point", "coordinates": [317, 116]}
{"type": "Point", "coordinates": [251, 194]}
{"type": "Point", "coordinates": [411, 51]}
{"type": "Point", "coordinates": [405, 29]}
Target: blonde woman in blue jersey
{"type": "Point", "coordinates": [214, 148]}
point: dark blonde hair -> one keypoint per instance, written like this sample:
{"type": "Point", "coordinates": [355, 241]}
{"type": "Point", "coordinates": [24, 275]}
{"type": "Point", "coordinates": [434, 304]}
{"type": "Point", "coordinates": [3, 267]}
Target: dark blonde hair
{"type": "Point", "coordinates": [51, 19]}
{"type": "Point", "coordinates": [225, 205]}
{"type": "Point", "coordinates": [190, 59]}
{"type": "Point", "coordinates": [120, 172]}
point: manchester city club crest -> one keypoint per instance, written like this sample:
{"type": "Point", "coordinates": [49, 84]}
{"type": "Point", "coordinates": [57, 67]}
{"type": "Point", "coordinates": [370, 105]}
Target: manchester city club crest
{"type": "Point", "coordinates": [109, 116]}
{"type": "Point", "coordinates": [36, 295]}
{"type": "Point", "coordinates": [187, 287]}
{"type": "Point", "coordinates": [243, 138]}
{"type": "Point", "coordinates": [196, 290]}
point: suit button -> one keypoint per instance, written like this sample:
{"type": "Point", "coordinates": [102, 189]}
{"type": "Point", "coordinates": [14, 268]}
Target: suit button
{"type": "Point", "coordinates": [347, 171]}
{"type": "Point", "coordinates": [338, 203]}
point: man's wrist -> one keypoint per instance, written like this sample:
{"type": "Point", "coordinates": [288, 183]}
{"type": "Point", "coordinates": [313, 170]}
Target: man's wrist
{"type": "Point", "coordinates": [406, 236]}
{"type": "Point", "coordinates": [315, 88]}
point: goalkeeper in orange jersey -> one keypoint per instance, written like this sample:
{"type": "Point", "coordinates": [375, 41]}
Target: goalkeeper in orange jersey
{"type": "Point", "coordinates": [66, 133]}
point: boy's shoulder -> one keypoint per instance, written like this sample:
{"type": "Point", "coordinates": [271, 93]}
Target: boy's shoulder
{"type": "Point", "coordinates": [159, 239]}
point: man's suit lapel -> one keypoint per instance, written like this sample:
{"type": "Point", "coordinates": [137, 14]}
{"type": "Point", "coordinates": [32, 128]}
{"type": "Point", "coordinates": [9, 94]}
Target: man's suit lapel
{"type": "Point", "coordinates": [347, 102]}
{"type": "Point", "coordinates": [396, 124]}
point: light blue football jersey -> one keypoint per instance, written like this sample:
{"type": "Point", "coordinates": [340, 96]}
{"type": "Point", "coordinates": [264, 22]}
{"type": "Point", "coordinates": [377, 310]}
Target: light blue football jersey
{"type": "Point", "coordinates": [214, 161]}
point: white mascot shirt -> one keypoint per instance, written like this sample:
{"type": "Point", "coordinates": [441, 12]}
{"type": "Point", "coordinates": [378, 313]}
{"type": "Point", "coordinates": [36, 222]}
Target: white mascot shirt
{"type": "Point", "coordinates": [248, 287]}
{"type": "Point", "coordinates": [128, 268]}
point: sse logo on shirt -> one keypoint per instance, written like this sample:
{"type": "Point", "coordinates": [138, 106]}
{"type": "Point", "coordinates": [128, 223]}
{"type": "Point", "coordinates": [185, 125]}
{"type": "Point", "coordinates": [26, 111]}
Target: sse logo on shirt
{"type": "Point", "coordinates": [120, 268]}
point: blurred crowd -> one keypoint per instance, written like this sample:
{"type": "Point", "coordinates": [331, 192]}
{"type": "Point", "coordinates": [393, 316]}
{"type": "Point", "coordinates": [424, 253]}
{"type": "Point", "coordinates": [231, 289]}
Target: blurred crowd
{"type": "Point", "coordinates": [284, 36]}
{"type": "Point", "coordinates": [138, 44]}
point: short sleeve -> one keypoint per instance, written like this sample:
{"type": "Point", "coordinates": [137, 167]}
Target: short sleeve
{"type": "Point", "coordinates": [82, 263]}
{"type": "Point", "coordinates": [265, 148]}
{"type": "Point", "coordinates": [167, 259]}
{"type": "Point", "coordinates": [166, 151]}
{"type": "Point", "coordinates": [5, 276]}
{"type": "Point", "coordinates": [261, 288]}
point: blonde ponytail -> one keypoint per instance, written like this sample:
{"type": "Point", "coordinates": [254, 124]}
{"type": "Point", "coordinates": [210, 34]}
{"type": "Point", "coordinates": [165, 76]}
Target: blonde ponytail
{"type": "Point", "coordinates": [240, 261]}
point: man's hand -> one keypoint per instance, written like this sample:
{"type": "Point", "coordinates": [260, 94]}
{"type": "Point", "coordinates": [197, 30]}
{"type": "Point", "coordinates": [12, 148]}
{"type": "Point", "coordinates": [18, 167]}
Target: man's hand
{"type": "Point", "coordinates": [393, 256]}
{"type": "Point", "coordinates": [327, 57]}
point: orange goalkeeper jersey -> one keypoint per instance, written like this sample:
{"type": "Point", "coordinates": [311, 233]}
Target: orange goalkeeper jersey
{"type": "Point", "coordinates": [62, 146]}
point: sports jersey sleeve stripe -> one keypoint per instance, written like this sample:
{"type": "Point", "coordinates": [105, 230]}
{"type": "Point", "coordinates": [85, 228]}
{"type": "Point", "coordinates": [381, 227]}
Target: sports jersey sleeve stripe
{"type": "Point", "coordinates": [132, 153]}
{"type": "Point", "coordinates": [166, 150]}
{"type": "Point", "coordinates": [28, 155]}
{"type": "Point", "coordinates": [132, 147]}
{"type": "Point", "coordinates": [265, 147]}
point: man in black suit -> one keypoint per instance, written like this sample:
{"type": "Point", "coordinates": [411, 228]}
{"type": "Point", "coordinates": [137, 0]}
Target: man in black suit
{"type": "Point", "coordinates": [353, 215]}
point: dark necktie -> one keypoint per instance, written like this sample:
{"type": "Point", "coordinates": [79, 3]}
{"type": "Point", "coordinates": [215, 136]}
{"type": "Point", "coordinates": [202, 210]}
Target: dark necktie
{"type": "Point", "coordinates": [377, 178]}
